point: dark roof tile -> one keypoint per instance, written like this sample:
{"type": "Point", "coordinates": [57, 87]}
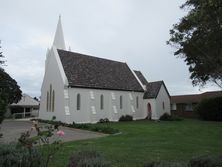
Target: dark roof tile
{"type": "Point", "coordinates": [152, 89]}
{"type": "Point", "coordinates": [92, 72]}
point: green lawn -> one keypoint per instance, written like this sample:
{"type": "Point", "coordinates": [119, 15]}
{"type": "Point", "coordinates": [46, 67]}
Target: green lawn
{"type": "Point", "coordinates": [143, 141]}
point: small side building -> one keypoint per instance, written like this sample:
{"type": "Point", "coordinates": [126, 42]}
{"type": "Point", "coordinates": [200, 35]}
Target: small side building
{"type": "Point", "coordinates": [26, 107]}
{"type": "Point", "coordinates": [157, 99]}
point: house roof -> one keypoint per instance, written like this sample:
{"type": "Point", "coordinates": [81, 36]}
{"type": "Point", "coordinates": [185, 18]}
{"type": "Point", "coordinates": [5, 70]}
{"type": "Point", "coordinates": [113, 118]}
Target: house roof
{"type": "Point", "coordinates": [26, 100]}
{"type": "Point", "coordinates": [92, 72]}
{"type": "Point", "coordinates": [153, 89]}
{"type": "Point", "coordinates": [195, 98]}
{"type": "Point", "coordinates": [211, 94]}
{"type": "Point", "coordinates": [141, 77]}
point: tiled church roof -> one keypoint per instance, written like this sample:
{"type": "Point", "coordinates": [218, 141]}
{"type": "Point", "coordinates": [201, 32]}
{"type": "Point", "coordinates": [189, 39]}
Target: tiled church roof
{"type": "Point", "coordinates": [153, 89]}
{"type": "Point", "coordinates": [91, 72]}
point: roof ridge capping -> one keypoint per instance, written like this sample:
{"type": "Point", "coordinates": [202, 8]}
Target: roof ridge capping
{"type": "Point", "coordinates": [141, 77]}
{"type": "Point", "coordinates": [137, 78]}
{"type": "Point", "coordinates": [92, 56]}
{"type": "Point", "coordinates": [196, 94]}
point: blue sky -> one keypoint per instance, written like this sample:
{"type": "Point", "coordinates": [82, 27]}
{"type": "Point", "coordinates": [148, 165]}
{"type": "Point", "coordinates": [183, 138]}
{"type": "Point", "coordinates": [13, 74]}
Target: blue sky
{"type": "Point", "coordinates": [132, 31]}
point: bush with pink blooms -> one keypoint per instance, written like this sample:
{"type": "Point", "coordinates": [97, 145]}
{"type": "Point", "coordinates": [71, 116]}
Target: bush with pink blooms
{"type": "Point", "coordinates": [60, 133]}
{"type": "Point", "coordinates": [48, 140]}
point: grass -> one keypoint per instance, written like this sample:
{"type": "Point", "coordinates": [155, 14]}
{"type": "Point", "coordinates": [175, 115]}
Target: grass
{"type": "Point", "coordinates": [144, 141]}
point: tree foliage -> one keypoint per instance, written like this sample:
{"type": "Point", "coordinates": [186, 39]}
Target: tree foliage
{"type": "Point", "coordinates": [9, 90]}
{"type": "Point", "coordinates": [1, 56]}
{"type": "Point", "coordinates": [198, 39]}
{"type": "Point", "coordinates": [210, 109]}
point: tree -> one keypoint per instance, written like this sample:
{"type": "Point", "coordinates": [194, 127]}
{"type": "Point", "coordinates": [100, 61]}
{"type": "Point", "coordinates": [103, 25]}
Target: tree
{"type": "Point", "coordinates": [36, 98]}
{"type": "Point", "coordinates": [9, 90]}
{"type": "Point", "coordinates": [1, 56]}
{"type": "Point", "coordinates": [198, 39]}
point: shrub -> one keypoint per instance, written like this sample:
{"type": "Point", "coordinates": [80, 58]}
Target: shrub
{"type": "Point", "coordinates": [53, 118]}
{"type": "Point", "coordinates": [14, 156]}
{"type": "Point", "coordinates": [87, 159]}
{"type": "Point", "coordinates": [107, 130]}
{"type": "Point", "coordinates": [91, 127]}
{"type": "Point", "coordinates": [105, 120]}
{"type": "Point", "coordinates": [165, 117]}
{"type": "Point", "coordinates": [168, 117]}
{"type": "Point", "coordinates": [126, 118]}
{"type": "Point", "coordinates": [176, 118]}
{"type": "Point", "coordinates": [210, 109]}
{"type": "Point", "coordinates": [205, 161]}
{"type": "Point", "coordinates": [44, 138]}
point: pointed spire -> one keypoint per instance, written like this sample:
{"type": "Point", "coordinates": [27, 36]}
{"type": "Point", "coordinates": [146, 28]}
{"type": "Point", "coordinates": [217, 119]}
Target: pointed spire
{"type": "Point", "coordinates": [59, 41]}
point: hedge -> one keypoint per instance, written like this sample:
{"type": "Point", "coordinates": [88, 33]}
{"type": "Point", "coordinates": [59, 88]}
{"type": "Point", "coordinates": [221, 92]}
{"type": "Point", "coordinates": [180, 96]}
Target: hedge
{"type": "Point", "coordinates": [210, 109]}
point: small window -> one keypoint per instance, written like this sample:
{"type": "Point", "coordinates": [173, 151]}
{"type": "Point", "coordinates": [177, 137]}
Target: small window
{"type": "Point", "coordinates": [53, 101]}
{"type": "Point", "coordinates": [163, 106]}
{"type": "Point", "coordinates": [121, 102]}
{"type": "Point", "coordinates": [50, 97]}
{"type": "Point", "coordinates": [78, 102]}
{"type": "Point", "coordinates": [137, 102]}
{"type": "Point", "coordinates": [47, 102]}
{"type": "Point", "coordinates": [188, 107]}
{"type": "Point", "coordinates": [101, 102]}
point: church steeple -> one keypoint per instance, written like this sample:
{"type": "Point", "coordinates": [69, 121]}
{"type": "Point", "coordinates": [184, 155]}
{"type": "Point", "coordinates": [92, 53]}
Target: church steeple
{"type": "Point", "coordinates": [59, 41]}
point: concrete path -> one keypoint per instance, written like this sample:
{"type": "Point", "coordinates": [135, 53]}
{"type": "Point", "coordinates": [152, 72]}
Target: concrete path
{"type": "Point", "coordinates": [12, 129]}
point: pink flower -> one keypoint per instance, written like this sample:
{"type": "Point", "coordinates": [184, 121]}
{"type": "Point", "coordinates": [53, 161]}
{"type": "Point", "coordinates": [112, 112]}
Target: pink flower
{"type": "Point", "coordinates": [60, 133]}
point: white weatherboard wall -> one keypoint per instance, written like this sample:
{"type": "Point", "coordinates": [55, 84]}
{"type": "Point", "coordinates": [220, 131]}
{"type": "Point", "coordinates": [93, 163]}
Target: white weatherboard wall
{"type": "Point", "coordinates": [162, 98]}
{"type": "Point", "coordinates": [55, 77]}
{"type": "Point", "coordinates": [90, 110]}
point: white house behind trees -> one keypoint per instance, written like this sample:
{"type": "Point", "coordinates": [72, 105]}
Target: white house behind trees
{"type": "Point", "coordinates": [25, 107]}
{"type": "Point", "coordinates": [83, 89]}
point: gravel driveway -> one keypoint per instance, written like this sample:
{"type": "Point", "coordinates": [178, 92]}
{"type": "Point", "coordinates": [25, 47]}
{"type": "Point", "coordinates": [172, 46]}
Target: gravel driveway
{"type": "Point", "coordinates": [12, 129]}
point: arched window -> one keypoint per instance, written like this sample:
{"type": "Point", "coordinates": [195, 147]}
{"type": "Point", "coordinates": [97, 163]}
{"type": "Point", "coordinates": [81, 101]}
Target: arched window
{"type": "Point", "coordinates": [78, 103]}
{"type": "Point", "coordinates": [53, 101]}
{"type": "Point", "coordinates": [101, 102]}
{"type": "Point", "coordinates": [47, 102]}
{"type": "Point", "coordinates": [163, 105]}
{"type": "Point", "coordinates": [50, 97]}
{"type": "Point", "coordinates": [121, 102]}
{"type": "Point", "coordinates": [137, 102]}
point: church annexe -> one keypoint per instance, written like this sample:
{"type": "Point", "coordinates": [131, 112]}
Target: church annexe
{"type": "Point", "coordinates": [83, 89]}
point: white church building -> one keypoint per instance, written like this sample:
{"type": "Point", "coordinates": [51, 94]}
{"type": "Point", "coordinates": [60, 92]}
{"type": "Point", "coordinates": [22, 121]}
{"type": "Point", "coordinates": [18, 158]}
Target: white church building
{"type": "Point", "coordinates": [84, 89]}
